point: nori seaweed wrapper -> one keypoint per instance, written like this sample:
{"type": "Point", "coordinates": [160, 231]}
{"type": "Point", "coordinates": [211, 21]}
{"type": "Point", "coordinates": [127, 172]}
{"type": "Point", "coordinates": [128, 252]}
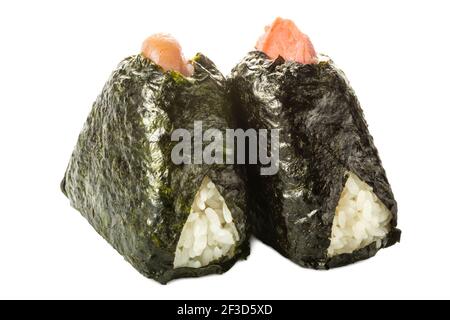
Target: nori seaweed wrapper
{"type": "Point", "coordinates": [323, 137]}
{"type": "Point", "coordinates": [121, 177]}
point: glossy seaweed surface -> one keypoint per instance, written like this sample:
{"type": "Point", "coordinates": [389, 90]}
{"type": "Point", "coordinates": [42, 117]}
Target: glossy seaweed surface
{"type": "Point", "coordinates": [121, 177]}
{"type": "Point", "coordinates": [323, 137]}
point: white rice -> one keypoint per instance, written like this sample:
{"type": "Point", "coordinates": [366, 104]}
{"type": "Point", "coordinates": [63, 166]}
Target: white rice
{"type": "Point", "coordinates": [209, 232]}
{"type": "Point", "coordinates": [360, 220]}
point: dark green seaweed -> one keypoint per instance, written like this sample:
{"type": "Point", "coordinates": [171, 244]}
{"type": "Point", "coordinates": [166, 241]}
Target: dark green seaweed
{"type": "Point", "coordinates": [323, 137]}
{"type": "Point", "coordinates": [121, 177]}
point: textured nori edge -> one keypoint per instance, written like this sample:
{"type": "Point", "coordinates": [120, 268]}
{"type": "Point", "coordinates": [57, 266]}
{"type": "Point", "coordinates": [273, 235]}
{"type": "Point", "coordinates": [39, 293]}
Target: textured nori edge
{"type": "Point", "coordinates": [325, 136]}
{"type": "Point", "coordinates": [121, 178]}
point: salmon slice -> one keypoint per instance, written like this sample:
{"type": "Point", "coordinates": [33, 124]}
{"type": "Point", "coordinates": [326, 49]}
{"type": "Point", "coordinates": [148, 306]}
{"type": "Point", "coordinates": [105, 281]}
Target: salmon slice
{"type": "Point", "coordinates": [284, 39]}
{"type": "Point", "coordinates": [164, 50]}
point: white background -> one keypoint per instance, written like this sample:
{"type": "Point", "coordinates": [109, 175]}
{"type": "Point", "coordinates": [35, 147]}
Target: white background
{"type": "Point", "coordinates": [55, 57]}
